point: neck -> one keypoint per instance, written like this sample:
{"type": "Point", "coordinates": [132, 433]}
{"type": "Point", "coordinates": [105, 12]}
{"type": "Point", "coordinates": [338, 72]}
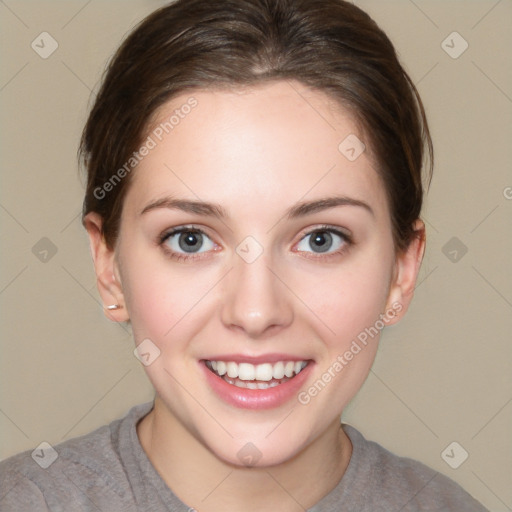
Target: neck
{"type": "Point", "coordinates": [203, 481]}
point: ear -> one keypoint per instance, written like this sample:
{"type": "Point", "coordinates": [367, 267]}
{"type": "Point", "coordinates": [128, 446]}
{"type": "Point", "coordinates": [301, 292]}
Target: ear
{"type": "Point", "coordinates": [407, 266]}
{"type": "Point", "coordinates": [105, 266]}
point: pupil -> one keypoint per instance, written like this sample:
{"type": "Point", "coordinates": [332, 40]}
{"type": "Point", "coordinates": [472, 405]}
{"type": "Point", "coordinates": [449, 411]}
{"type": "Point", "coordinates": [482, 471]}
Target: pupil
{"type": "Point", "coordinates": [321, 242]}
{"type": "Point", "coordinates": [190, 241]}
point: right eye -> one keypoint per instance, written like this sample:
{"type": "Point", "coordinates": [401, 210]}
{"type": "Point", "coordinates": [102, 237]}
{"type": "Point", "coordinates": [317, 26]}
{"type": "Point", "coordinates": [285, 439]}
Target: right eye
{"type": "Point", "coordinates": [185, 240]}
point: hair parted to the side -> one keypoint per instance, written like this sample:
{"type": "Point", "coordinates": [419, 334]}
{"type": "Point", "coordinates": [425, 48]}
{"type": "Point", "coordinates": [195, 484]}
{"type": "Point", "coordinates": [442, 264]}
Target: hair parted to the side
{"type": "Point", "coordinates": [329, 45]}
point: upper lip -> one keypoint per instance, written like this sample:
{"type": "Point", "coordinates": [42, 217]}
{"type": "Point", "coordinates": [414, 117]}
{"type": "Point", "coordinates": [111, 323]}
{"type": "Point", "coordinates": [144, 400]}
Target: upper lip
{"type": "Point", "coordinates": [264, 358]}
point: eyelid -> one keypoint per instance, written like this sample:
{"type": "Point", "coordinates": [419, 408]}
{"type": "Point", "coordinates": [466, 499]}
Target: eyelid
{"type": "Point", "coordinates": [343, 232]}
{"type": "Point", "coordinates": [347, 243]}
{"type": "Point", "coordinates": [165, 235]}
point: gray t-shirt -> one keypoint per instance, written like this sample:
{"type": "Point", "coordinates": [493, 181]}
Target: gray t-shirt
{"type": "Point", "coordinates": [107, 470]}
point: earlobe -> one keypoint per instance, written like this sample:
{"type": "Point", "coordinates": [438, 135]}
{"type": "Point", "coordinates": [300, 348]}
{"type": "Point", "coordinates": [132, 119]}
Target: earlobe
{"type": "Point", "coordinates": [109, 286]}
{"type": "Point", "coordinates": [406, 271]}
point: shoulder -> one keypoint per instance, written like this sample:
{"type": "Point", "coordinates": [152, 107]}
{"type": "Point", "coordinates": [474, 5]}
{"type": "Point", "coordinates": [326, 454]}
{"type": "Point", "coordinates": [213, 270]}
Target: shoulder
{"type": "Point", "coordinates": [69, 475]}
{"type": "Point", "coordinates": [403, 483]}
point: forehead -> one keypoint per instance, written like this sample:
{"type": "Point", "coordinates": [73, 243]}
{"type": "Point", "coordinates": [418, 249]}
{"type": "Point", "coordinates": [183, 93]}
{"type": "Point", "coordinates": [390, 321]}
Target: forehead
{"type": "Point", "coordinates": [278, 142]}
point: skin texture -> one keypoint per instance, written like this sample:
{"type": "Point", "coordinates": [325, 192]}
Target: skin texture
{"type": "Point", "coordinates": [255, 152]}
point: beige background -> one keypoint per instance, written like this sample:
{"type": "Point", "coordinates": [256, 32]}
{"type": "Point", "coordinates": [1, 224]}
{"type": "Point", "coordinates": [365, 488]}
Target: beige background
{"type": "Point", "coordinates": [442, 375]}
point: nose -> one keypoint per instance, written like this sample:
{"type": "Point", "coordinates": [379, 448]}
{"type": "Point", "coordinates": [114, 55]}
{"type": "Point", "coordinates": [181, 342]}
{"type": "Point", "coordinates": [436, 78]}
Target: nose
{"type": "Point", "coordinates": [255, 301]}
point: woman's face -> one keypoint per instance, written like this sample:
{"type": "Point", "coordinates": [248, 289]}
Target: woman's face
{"type": "Point", "coordinates": [253, 243]}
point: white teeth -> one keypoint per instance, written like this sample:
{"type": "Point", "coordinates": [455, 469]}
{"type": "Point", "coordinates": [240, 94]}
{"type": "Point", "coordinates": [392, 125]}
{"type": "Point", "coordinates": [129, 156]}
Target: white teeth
{"type": "Point", "coordinates": [288, 369]}
{"type": "Point", "coordinates": [262, 372]}
{"type": "Point", "coordinates": [253, 385]}
{"type": "Point", "coordinates": [278, 372]}
{"type": "Point", "coordinates": [246, 371]}
{"type": "Point", "coordinates": [232, 370]}
{"type": "Point", "coordinates": [221, 367]}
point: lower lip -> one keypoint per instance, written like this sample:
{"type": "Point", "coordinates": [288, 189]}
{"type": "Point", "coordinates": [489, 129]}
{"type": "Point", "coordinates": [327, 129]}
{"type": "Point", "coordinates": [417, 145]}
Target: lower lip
{"type": "Point", "coordinates": [246, 398]}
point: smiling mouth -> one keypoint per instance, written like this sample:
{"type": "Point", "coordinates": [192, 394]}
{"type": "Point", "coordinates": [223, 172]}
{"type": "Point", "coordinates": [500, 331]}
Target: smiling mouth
{"type": "Point", "coordinates": [256, 376]}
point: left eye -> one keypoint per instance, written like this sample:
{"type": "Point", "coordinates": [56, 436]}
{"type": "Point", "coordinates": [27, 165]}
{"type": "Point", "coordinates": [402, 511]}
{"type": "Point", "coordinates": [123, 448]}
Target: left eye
{"type": "Point", "coordinates": [322, 241]}
{"type": "Point", "coordinates": [189, 241]}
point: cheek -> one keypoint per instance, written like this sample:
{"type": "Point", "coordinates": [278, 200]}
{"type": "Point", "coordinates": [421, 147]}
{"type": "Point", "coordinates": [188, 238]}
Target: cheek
{"type": "Point", "coordinates": [350, 307]}
{"type": "Point", "coordinates": [160, 300]}
{"type": "Point", "coordinates": [347, 298]}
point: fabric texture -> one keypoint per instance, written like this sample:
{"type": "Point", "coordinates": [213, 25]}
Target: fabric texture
{"type": "Point", "coordinates": [107, 470]}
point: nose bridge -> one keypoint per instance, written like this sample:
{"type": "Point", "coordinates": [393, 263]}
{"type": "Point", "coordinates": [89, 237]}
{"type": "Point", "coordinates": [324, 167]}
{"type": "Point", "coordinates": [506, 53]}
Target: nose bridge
{"type": "Point", "coordinates": [255, 299]}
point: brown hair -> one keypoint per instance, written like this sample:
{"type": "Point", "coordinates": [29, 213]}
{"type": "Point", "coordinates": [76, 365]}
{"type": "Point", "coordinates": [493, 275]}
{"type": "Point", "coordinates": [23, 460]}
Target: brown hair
{"type": "Point", "coordinates": [329, 45]}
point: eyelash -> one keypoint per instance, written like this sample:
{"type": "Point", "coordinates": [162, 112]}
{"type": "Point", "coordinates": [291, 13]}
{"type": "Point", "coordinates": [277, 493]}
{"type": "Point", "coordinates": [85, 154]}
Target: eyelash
{"type": "Point", "coordinates": [347, 243]}
{"type": "Point", "coordinates": [347, 239]}
{"type": "Point", "coordinates": [178, 256]}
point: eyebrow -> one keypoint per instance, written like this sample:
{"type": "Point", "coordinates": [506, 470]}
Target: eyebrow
{"type": "Point", "coordinates": [215, 210]}
{"type": "Point", "coordinates": [307, 208]}
{"type": "Point", "coordinates": [189, 206]}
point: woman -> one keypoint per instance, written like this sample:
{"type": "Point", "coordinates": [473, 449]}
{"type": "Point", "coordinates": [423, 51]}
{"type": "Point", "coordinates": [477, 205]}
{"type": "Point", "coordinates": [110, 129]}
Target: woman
{"type": "Point", "coordinates": [253, 207]}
